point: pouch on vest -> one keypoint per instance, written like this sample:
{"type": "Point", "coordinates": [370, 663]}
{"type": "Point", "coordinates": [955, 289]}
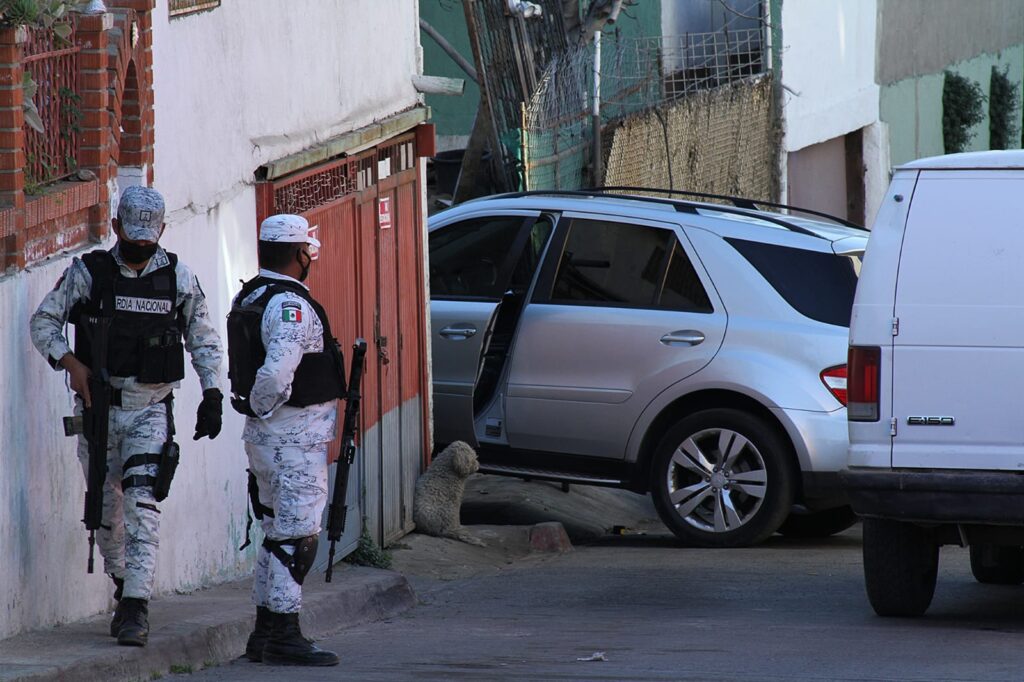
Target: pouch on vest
{"type": "Point", "coordinates": [162, 359]}
{"type": "Point", "coordinates": [245, 347]}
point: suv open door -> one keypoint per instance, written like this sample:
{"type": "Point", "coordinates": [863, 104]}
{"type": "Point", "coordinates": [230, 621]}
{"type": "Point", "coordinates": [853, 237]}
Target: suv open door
{"type": "Point", "coordinates": [475, 264]}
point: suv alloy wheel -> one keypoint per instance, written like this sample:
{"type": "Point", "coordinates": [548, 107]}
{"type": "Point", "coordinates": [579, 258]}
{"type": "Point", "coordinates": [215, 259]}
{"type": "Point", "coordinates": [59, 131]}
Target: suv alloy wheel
{"type": "Point", "coordinates": [722, 478]}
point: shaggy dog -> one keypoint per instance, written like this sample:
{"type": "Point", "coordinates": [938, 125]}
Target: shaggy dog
{"type": "Point", "coordinates": [435, 507]}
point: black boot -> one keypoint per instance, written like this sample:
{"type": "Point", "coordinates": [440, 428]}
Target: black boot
{"type": "Point", "coordinates": [115, 622]}
{"type": "Point", "coordinates": [259, 636]}
{"type": "Point", "coordinates": [134, 630]}
{"type": "Point", "coordinates": [287, 646]}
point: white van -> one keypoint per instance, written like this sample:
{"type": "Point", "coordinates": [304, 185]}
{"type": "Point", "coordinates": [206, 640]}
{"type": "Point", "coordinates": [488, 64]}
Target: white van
{"type": "Point", "coordinates": [936, 365]}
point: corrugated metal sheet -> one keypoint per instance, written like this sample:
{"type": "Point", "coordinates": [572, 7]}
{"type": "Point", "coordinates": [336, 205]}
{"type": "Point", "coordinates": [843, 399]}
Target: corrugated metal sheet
{"type": "Point", "coordinates": [391, 475]}
{"type": "Point", "coordinates": [412, 454]}
{"type": "Point", "coordinates": [389, 353]}
{"type": "Point", "coordinates": [371, 472]}
{"type": "Point", "coordinates": [368, 293]}
{"type": "Point", "coordinates": [410, 283]}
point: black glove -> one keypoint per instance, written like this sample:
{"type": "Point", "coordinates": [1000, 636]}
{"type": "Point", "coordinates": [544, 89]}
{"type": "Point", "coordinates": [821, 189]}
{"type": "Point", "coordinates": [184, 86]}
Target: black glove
{"type": "Point", "coordinates": [208, 416]}
{"type": "Point", "coordinates": [242, 406]}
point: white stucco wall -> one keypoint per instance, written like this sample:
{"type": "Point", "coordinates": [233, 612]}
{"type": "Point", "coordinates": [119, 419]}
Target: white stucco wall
{"type": "Point", "coordinates": [828, 78]}
{"type": "Point", "coordinates": [828, 69]}
{"type": "Point", "coordinates": [236, 87]}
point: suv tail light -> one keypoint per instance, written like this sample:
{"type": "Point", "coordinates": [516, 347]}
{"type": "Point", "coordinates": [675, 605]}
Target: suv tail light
{"type": "Point", "coordinates": [864, 364]}
{"type": "Point", "coordinates": [834, 379]}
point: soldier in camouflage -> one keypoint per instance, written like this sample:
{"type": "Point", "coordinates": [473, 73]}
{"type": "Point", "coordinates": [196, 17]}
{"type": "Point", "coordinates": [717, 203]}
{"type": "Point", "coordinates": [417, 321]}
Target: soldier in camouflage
{"type": "Point", "coordinates": [292, 416]}
{"type": "Point", "coordinates": [159, 311]}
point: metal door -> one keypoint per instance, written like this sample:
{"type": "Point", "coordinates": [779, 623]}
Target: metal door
{"type": "Point", "coordinates": [463, 306]}
{"type": "Point", "coordinates": [370, 278]}
{"type": "Point", "coordinates": [332, 281]}
{"type": "Point", "coordinates": [958, 353]}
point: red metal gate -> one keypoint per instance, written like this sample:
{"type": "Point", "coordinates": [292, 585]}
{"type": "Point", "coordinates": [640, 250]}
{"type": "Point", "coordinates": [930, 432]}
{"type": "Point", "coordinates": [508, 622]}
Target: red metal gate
{"type": "Point", "coordinates": [370, 279]}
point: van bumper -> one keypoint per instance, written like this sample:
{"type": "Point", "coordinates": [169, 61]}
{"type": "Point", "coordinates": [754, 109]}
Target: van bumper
{"type": "Point", "coordinates": [937, 496]}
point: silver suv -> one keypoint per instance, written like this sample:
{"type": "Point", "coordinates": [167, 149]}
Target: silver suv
{"type": "Point", "coordinates": [693, 350]}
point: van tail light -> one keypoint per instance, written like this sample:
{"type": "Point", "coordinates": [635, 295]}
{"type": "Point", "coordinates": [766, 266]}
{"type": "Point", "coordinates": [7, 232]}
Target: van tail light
{"type": "Point", "coordinates": [863, 386]}
{"type": "Point", "coordinates": [834, 379]}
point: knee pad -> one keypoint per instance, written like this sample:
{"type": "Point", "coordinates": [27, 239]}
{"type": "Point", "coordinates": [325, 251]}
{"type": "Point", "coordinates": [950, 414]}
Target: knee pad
{"type": "Point", "coordinates": [301, 560]}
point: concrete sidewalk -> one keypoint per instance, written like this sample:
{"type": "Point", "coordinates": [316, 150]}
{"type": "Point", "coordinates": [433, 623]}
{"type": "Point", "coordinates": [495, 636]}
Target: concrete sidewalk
{"type": "Point", "coordinates": [198, 630]}
{"type": "Point", "coordinates": [209, 627]}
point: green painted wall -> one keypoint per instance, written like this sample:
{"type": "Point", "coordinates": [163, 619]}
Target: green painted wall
{"type": "Point", "coordinates": [912, 107]}
{"type": "Point", "coordinates": [642, 20]}
{"type": "Point", "coordinates": [454, 115]}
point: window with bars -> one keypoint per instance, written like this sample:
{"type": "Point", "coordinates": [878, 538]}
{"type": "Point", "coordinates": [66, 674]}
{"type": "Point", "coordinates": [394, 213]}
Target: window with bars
{"type": "Point", "coordinates": [182, 7]}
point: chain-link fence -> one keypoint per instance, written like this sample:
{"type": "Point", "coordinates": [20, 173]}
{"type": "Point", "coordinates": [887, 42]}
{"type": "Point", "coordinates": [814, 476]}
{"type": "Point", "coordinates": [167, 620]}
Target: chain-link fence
{"type": "Point", "coordinates": [637, 75]}
{"type": "Point", "coordinates": [512, 53]}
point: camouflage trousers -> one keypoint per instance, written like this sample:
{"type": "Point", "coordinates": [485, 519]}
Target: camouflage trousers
{"type": "Point", "coordinates": [293, 482]}
{"type": "Point", "coordinates": [130, 531]}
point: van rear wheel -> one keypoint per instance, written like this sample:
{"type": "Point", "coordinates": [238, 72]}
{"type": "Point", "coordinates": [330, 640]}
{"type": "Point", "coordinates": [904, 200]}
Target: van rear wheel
{"type": "Point", "coordinates": [901, 564]}
{"type": "Point", "coordinates": [997, 564]}
{"type": "Point", "coordinates": [722, 478]}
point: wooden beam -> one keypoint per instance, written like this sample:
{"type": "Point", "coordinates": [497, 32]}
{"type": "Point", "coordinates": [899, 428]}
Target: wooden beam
{"type": "Point", "coordinates": [438, 85]}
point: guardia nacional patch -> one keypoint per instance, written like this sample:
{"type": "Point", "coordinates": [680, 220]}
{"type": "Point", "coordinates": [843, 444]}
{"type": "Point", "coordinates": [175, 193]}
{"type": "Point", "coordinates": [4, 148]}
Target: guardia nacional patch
{"type": "Point", "coordinates": [291, 312]}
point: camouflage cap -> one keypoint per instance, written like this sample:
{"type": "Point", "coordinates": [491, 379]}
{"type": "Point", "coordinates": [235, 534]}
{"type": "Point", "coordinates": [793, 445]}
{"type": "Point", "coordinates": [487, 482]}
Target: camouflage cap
{"type": "Point", "coordinates": [141, 212]}
{"type": "Point", "coordinates": [286, 227]}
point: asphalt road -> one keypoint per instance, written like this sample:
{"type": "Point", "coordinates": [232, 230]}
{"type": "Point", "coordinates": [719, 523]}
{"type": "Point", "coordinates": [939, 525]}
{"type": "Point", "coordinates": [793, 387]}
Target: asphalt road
{"type": "Point", "coordinates": [786, 610]}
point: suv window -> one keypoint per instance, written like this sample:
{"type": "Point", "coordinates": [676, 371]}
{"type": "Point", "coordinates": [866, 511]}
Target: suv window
{"type": "Point", "coordinates": [467, 258]}
{"type": "Point", "coordinates": [683, 290]}
{"type": "Point", "coordinates": [609, 263]}
{"type": "Point", "coordinates": [817, 285]}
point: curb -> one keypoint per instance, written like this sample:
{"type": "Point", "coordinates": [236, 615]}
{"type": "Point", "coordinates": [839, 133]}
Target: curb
{"type": "Point", "coordinates": [550, 537]}
{"type": "Point", "coordinates": [191, 632]}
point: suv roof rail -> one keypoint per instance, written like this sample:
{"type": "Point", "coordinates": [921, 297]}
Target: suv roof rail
{"type": "Point", "coordinates": [743, 206]}
{"type": "Point", "coordinates": [739, 202]}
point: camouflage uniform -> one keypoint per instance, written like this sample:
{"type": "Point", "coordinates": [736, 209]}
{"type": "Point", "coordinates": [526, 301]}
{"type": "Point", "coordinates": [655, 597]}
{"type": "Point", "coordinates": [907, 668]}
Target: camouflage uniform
{"type": "Point", "coordinates": [128, 536]}
{"type": "Point", "coordinates": [287, 446]}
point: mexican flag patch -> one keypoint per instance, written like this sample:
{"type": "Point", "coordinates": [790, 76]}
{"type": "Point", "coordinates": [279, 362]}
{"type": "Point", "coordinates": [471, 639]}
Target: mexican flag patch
{"type": "Point", "coordinates": [291, 312]}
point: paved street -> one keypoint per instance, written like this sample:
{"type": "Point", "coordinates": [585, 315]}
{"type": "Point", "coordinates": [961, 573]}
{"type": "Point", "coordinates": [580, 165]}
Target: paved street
{"type": "Point", "coordinates": [784, 611]}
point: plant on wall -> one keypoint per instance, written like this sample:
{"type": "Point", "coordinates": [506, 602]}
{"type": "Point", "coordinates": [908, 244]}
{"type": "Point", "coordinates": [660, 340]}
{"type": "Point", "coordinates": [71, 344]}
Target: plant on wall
{"type": "Point", "coordinates": [1003, 104]}
{"type": "Point", "coordinates": [962, 101]}
{"type": "Point", "coordinates": [48, 14]}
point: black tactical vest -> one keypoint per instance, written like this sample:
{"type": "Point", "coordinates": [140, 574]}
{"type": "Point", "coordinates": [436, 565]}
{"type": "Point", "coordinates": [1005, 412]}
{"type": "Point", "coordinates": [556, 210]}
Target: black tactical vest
{"type": "Point", "coordinates": [146, 332]}
{"type": "Point", "coordinates": [319, 378]}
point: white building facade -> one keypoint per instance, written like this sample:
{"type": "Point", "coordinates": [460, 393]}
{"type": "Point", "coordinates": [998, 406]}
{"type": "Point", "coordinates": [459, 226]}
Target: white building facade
{"type": "Point", "coordinates": [237, 86]}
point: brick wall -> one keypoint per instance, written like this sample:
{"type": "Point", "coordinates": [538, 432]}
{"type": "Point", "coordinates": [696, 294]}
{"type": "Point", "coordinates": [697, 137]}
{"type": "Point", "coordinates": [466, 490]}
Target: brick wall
{"type": "Point", "coordinates": [115, 86]}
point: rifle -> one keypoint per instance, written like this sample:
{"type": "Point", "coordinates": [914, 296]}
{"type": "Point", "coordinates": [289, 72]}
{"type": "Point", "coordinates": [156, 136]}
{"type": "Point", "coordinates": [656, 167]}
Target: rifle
{"type": "Point", "coordinates": [337, 510]}
{"type": "Point", "coordinates": [95, 423]}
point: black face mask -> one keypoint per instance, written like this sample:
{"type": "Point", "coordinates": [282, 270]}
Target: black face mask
{"type": "Point", "coordinates": [304, 266]}
{"type": "Point", "coordinates": [135, 253]}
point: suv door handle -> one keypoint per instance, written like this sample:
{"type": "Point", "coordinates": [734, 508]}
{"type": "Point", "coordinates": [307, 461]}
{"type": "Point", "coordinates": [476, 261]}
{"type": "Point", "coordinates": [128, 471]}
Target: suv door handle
{"type": "Point", "coordinates": [458, 332]}
{"type": "Point", "coordinates": [685, 337]}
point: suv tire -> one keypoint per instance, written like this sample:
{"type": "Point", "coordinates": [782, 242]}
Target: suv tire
{"type": "Point", "coordinates": [997, 564]}
{"type": "Point", "coordinates": [819, 524]}
{"type": "Point", "coordinates": [901, 563]}
{"type": "Point", "coordinates": [711, 498]}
